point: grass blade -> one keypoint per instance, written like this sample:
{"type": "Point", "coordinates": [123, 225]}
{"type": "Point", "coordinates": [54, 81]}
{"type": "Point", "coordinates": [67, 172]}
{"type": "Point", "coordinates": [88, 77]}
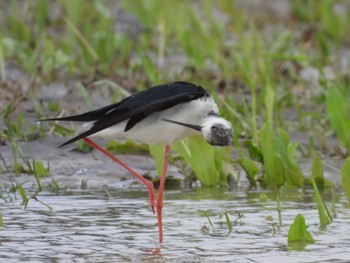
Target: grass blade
{"type": "Point", "coordinates": [229, 223]}
{"type": "Point", "coordinates": [345, 176]}
{"type": "Point", "coordinates": [210, 223]}
{"type": "Point", "coordinates": [324, 215]}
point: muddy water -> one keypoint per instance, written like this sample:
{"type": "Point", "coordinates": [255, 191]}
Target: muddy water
{"type": "Point", "coordinates": [87, 226]}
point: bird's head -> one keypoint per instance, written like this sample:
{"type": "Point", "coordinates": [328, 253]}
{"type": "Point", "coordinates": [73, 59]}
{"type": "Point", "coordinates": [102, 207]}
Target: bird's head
{"type": "Point", "coordinates": [217, 131]}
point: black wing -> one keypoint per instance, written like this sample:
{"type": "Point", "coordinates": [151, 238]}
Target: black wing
{"type": "Point", "coordinates": [136, 107]}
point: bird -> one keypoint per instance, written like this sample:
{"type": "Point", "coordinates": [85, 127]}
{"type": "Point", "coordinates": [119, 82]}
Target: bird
{"type": "Point", "coordinates": [161, 114]}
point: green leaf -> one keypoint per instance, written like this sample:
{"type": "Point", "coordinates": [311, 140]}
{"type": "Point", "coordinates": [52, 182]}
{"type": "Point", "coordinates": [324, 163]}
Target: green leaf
{"type": "Point", "coordinates": [338, 112]}
{"type": "Point", "coordinates": [229, 223]}
{"type": "Point", "coordinates": [157, 152]}
{"type": "Point", "coordinates": [318, 173]}
{"type": "Point", "coordinates": [324, 215]}
{"type": "Point", "coordinates": [204, 159]}
{"type": "Point", "coordinates": [40, 169]}
{"type": "Point", "coordinates": [82, 146]}
{"type": "Point", "coordinates": [251, 169]}
{"type": "Point", "coordinates": [298, 236]}
{"type": "Point", "coordinates": [268, 152]}
{"type": "Point", "coordinates": [254, 152]}
{"type": "Point", "coordinates": [345, 176]}
{"type": "Point", "coordinates": [55, 183]}
{"type": "Point", "coordinates": [287, 151]}
{"type": "Point", "coordinates": [269, 99]}
{"type": "Point", "coordinates": [210, 223]}
{"type": "Point", "coordinates": [22, 193]}
{"type": "Point", "coordinates": [317, 170]}
{"type": "Point", "coordinates": [63, 131]}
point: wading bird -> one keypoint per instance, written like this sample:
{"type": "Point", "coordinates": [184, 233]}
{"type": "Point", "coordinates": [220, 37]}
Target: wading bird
{"type": "Point", "coordinates": [159, 115]}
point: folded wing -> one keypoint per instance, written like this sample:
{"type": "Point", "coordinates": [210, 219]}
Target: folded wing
{"type": "Point", "coordinates": [136, 107]}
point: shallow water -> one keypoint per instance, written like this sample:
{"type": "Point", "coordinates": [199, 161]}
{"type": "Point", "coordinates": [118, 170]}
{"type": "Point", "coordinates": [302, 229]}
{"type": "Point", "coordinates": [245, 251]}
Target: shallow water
{"type": "Point", "coordinates": [86, 226]}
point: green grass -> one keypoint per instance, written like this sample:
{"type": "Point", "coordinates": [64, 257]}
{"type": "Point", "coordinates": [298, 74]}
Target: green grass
{"type": "Point", "coordinates": [252, 65]}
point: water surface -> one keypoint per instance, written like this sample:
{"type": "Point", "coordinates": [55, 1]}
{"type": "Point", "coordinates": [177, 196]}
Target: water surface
{"type": "Point", "coordinates": [88, 226]}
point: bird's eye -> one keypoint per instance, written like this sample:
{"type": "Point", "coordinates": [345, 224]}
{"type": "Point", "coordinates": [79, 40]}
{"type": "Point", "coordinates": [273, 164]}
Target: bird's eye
{"type": "Point", "coordinates": [214, 127]}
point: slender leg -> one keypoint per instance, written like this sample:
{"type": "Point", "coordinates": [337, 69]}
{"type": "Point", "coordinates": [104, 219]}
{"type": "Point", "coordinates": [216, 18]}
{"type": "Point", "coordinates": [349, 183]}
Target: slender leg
{"type": "Point", "coordinates": [147, 183]}
{"type": "Point", "coordinates": [160, 193]}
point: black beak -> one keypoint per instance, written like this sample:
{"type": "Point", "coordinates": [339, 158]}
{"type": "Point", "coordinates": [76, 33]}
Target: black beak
{"type": "Point", "coordinates": [195, 127]}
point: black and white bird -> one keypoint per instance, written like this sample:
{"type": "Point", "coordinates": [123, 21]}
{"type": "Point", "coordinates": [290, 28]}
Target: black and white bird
{"type": "Point", "coordinates": [159, 115]}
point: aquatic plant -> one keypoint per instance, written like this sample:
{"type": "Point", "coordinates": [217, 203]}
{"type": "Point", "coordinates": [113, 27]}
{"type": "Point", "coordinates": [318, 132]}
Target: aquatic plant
{"type": "Point", "coordinates": [279, 158]}
{"type": "Point", "coordinates": [345, 175]}
{"type": "Point", "coordinates": [323, 212]}
{"type": "Point", "coordinates": [204, 159]}
{"type": "Point", "coordinates": [338, 110]}
{"type": "Point", "coordinates": [298, 236]}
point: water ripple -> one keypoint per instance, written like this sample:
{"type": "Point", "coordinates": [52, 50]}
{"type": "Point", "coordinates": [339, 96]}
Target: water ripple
{"type": "Point", "coordinates": [88, 227]}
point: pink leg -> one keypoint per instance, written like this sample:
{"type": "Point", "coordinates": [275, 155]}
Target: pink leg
{"type": "Point", "coordinates": [160, 193]}
{"type": "Point", "coordinates": [147, 183]}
